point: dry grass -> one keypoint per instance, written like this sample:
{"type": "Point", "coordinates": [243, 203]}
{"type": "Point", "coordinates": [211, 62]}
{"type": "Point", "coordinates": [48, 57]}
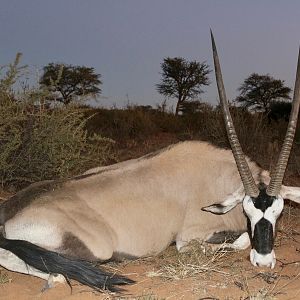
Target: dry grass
{"type": "Point", "coordinates": [198, 259]}
{"type": "Point", "coordinates": [287, 225]}
{"type": "Point", "coordinates": [4, 278]}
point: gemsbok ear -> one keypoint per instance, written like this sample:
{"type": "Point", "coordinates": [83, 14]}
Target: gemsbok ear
{"type": "Point", "coordinates": [291, 193]}
{"type": "Point", "coordinates": [230, 202]}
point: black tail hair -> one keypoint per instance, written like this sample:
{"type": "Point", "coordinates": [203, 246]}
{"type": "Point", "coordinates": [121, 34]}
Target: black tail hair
{"type": "Point", "coordinates": [51, 262]}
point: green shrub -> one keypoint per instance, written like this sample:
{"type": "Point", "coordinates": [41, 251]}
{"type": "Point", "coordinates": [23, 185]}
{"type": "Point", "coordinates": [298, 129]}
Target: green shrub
{"type": "Point", "coordinates": [47, 143]}
{"type": "Point", "coordinates": [40, 141]}
{"type": "Point", "coordinates": [131, 122]}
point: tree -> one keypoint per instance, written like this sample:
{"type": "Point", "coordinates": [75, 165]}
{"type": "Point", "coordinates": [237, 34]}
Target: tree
{"type": "Point", "coordinates": [182, 79]}
{"type": "Point", "coordinates": [193, 107]}
{"type": "Point", "coordinates": [68, 81]}
{"type": "Point", "coordinates": [279, 110]}
{"type": "Point", "coordinates": [259, 91]}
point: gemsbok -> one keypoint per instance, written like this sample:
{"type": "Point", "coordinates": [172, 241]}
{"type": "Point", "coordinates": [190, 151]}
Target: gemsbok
{"type": "Point", "coordinates": [57, 230]}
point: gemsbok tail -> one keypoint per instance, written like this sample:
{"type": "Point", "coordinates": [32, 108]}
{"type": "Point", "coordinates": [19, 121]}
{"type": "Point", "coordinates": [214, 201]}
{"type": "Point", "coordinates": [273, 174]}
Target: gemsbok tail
{"type": "Point", "coordinates": [54, 263]}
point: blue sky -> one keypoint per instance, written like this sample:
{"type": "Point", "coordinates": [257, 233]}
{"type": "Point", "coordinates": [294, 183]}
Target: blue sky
{"type": "Point", "coordinates": [126, 40]}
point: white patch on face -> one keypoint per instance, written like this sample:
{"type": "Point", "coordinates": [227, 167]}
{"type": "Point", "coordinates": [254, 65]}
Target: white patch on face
{"type": "Point", "coordinates": [273, 212]}
{"type": "Point", "coordinates": [259, 260]}
{"type": "Point", "coordinates": [253, 213]}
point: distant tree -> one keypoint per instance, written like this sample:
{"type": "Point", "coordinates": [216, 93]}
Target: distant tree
{"type": "Point", "coordinates": [182, 79]}
{"type": "Point", "coordinates": [279, 110]}
{"type": "Point", "coordinates": [259, 91]}
{"type": "Point", "coordinates": [144, 108]}
{"type": "Point", "coordinates": [194, 106]}
{"type": "Point", "coordinates": [68, 81]}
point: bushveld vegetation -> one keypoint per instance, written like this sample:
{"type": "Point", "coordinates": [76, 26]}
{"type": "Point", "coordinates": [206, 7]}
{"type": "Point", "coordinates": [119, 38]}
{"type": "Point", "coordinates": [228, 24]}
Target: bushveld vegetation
{"type": "Point", "coordinates": [40, 141]}
{"type": "Point", "coordinates": [44, 139]}
{"type": "Point", "coordinates": [139, 131]}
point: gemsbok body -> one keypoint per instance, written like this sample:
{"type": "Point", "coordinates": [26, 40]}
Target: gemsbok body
{"type": "Point", "coordinates": [191, 190]}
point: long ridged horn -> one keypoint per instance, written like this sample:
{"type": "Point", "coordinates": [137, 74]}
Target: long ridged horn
{"type": "Point", "coordinates": [277, 177]}
{"type": "Point", "coordinates": [250, 186]}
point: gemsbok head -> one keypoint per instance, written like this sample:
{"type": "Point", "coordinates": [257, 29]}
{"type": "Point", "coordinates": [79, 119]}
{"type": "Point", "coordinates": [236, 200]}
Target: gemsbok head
{"type": "Point", "coordinates": [262, 203]}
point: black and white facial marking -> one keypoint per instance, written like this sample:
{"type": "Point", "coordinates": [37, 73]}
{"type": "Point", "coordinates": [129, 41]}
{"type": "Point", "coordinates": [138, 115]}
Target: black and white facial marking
{"type": "Point", "coordinates": [262, 213]}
